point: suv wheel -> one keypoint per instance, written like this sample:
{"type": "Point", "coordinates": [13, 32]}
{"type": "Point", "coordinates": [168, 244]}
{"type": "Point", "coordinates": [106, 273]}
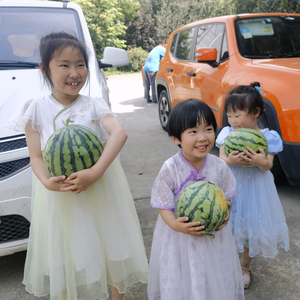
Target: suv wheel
{"type": "Point", "coordinates": [276, 170]}
{"type": "Point", "coordinates": [164, 109]}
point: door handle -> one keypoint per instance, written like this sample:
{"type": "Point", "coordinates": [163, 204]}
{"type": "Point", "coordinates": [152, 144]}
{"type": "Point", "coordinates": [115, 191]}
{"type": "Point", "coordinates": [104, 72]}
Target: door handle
{"type": "Point", "coordinates": [169, 70]}
{"type": "Point", "coordinates": [191, 74]}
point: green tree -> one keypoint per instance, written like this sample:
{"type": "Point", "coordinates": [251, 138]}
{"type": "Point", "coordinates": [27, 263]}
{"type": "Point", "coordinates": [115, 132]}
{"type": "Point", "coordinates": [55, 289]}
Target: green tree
{"type": "Point", "coordinates": [106, 21]}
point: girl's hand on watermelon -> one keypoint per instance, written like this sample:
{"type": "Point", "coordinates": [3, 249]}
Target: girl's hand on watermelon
{"type": "Point", "coordinates": [80, 181]}
{"type": "Point", "coordinates": [261, 160]}
{"type": "Point", "coordinates": [226, 220]}
{"type": "Point", "coordinates": [181, 224]}
{"type": "Point", "coordinates": [56, 183]}
{"type": "Point", "coordinates": [235, 159]}
{"type": "Point", "coordinates": [191, 228]}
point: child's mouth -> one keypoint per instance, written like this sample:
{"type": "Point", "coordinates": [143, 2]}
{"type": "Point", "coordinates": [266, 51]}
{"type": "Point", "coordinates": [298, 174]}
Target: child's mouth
{"type": "Point", "coordinates": [202, 148]}
{"type": "Point", "coordinates": [73, 83]}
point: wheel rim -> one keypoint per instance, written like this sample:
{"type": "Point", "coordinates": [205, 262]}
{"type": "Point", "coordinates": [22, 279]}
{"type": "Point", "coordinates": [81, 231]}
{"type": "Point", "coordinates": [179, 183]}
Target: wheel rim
{"type": "Point", "coordinates": [164, 111]}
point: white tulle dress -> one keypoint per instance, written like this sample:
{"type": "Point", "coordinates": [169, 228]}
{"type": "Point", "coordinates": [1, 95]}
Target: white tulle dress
{"type": "Point", "coordinates": [257, 216]}
{"type": "Point", "coordinates": [185, 267]}
{"type": "Point", "coordinates": [79, 244]}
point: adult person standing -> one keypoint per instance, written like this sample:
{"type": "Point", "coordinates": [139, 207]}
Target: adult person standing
{"type": "Point", "coordinates": [151, 67]}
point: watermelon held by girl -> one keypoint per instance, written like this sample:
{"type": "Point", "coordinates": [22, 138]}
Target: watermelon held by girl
{"type": "Point", "coordinates": [205, 202]}
{"type": "Point", "coordinates": [70, 149]}
{"type": "Point", "coordinates": [240, 139]}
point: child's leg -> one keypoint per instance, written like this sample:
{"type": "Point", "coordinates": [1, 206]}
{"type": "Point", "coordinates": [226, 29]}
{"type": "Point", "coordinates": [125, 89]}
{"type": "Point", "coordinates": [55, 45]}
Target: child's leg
{"type": "Point", "coordinates": [245, 263]}
{"type": "Point", "coordinates": [246, 259]}
{"type": "Point", "coordinates": [115, 294]}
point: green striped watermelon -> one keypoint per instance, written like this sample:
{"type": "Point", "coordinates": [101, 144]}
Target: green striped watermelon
{"type": "Point", "coordinates": [70, 149]}
{"type": "Point", "coordinates": [205, 202]}
{"type": "Point", "coordinates": [240, 139]}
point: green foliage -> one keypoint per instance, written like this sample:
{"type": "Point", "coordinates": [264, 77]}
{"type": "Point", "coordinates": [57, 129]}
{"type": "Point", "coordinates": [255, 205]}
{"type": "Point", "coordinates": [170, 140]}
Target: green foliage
{"type": "Point", "coordinates": [106, 21]}
{"type": "Point", "coordinates": [137, 57]}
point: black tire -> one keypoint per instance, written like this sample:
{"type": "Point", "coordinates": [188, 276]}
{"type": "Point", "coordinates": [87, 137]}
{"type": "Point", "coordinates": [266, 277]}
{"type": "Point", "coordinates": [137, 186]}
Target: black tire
{"type": "Point", "coordinates": [164, 109]}
{"type": "Point", "coordinates": [277, 171]}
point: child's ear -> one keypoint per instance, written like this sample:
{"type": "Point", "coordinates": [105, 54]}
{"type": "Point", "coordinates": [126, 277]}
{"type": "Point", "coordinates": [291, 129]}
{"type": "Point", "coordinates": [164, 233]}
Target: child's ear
{"type": "Point", "coordinates": [175, 140]}
{"type": "Point", "coordinates": [42, 68]}
{"type": "Point", "coordinates": [257, 114]}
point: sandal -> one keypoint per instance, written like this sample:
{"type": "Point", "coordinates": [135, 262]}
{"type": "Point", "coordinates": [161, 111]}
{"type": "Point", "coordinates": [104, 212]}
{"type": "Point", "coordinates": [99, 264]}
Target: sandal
{"type": "Point", "coordinates": [246, 277]}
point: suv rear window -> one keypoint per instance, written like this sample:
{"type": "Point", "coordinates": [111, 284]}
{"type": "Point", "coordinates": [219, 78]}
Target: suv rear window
{"type": "Point", "coordinates": [268, 37]}
{"type": "Point", "coordinates": [22, 28]}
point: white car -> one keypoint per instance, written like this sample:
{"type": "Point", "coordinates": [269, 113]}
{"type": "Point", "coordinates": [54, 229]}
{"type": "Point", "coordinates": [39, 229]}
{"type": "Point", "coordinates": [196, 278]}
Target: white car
{"type": "Point", "coordinates": [22, 24]}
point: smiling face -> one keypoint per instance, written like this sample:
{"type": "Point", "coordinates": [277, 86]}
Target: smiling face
{"type": "Point", "coordinates": [196, 143]}
{"type": "Point", "coordinates": [242, 119]}
{"type": "Point", "coordinates": [68, 73]}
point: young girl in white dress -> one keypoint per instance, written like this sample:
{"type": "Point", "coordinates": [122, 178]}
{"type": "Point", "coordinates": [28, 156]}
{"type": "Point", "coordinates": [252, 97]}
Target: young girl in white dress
{"type": "Point", "coordinates": [257, 217]}
{"type": "Point", "coordinates": [85, 233]}
{"type": "Point", "coordinates": [184, 265]}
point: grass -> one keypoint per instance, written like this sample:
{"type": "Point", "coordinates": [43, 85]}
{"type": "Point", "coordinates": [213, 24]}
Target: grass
{"type": "Point", "coordinates": [114, 71]}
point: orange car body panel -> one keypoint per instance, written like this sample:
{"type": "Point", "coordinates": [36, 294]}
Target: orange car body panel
{"type": "Point", "coordinates": [211, 84]}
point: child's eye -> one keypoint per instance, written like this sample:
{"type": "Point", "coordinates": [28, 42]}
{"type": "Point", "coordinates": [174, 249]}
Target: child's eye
{"type": "Point", "coordinates": [81, 65]}
{"type": "Point", "coordinates": [209, 129]}
{"type": "Point", "coordinates": [64, 66]}
{"type": "Point", "coordinates": [193, 131]}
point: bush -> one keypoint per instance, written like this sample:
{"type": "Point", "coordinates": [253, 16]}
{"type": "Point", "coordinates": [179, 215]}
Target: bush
{"type": "Point", "coordinates": [137, 56]}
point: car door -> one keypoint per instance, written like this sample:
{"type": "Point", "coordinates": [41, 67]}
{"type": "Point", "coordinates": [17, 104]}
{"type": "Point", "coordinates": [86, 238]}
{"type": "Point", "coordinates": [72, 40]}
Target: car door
{"type": "Point", "coordinates": [206, 82]}
{"type": "Point", "coordinates": [177, 67]}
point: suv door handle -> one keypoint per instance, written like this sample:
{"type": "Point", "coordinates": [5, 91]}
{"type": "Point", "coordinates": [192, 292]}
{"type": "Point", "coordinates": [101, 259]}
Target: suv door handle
{"type": "Point", "coordinates": [169, 69]}
{"type": "Point", "coordinates": [191, 74]}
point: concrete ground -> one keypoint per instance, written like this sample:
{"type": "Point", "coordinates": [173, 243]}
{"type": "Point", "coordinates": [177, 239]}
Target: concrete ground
{"type": "Point", "coordinates": [147, 147]}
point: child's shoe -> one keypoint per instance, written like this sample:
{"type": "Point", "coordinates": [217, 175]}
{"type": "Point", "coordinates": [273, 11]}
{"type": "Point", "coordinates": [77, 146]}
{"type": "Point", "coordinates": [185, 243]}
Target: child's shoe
{"type": "Point", "coordinates": [246, 276]}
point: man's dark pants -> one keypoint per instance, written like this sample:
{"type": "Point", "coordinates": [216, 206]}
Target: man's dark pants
{"type": "Point", "coordinates": [149, 78]}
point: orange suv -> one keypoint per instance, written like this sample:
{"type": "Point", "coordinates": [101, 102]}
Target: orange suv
{"type": "Point", "coordinates": [208, 58]}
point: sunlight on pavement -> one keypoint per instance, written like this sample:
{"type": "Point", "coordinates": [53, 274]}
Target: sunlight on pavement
{"type": "Point", "coordinates": [123, 91]}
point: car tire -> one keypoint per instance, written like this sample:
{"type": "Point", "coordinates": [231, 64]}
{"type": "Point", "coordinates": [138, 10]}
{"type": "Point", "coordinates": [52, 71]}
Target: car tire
{"type": "Point", "coordinates": [164, 109]}
{"type": "Point", "coordinates": [277, 171]}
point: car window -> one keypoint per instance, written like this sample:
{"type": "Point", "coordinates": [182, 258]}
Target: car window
{"type": "Point", "coordinates": [184, 45]}
{"type": "Point", "coordinates": [271, 37]}
{"type": "Point", "coordinates": [22, 28]}
{"type": "Point", "coordinates": [172, 49]}
{"type": "Point", "coordinates": [210, 35]}
{"type": "Point", "coordinates": [224, 50]}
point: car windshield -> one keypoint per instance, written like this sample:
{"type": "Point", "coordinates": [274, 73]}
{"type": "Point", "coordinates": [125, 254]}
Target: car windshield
{"type": "Point", "coordinates": [268, 37]}
{"type": "Point", "coordinates": [22, 28]}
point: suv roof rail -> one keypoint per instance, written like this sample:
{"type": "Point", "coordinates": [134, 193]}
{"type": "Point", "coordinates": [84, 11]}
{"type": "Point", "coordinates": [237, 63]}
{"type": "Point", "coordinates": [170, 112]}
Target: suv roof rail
{"type": "Point", "coordinates": [65, 2]}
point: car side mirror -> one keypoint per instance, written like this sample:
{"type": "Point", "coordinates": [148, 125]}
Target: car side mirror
{"type": "Point", "coordinates": [207, 55]}
{"type": "Point", "coordinates": [113, 57]}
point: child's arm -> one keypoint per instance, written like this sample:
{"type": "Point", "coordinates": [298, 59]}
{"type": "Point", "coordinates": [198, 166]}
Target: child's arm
{"type": "Point", "coordinates": [261, 160]}
{"type": "Point", "coordinates": [37, 163]}
{"type": "Point", "coordinates": [83, 179]}
{"type": "Point", "coordinates": [180, 224]}
{"type": "Point", "coordinates": [234, 158]}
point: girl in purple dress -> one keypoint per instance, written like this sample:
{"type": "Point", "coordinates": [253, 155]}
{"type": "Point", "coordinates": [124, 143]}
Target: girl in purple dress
{"type": "Point", "coordinates": [184, 265]}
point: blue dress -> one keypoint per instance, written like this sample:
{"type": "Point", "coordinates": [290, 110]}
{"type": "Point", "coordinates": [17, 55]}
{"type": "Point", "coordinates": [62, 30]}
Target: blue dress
{"type": "Point", "coordinates": [257, 218]}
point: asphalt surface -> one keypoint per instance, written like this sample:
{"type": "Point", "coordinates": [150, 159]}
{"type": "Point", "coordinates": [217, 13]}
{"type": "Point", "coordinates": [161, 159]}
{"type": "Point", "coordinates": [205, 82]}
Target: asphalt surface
{"type": "Point", "coordinates": [147, 147]}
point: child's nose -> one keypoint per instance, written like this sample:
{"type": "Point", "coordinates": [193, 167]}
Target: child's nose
{"type": "Point", "coordinates": [73, 72]}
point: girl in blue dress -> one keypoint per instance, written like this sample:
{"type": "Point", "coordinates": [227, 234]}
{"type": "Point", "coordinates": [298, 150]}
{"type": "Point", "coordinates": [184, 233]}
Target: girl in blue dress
{"type": "Point", "coordinates": [257, 217]}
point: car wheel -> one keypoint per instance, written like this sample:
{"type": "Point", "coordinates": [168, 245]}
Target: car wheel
{"type": "Point", "coordinates": [164, 109]}
{"type": "Point", "coordinates": [276, 170]}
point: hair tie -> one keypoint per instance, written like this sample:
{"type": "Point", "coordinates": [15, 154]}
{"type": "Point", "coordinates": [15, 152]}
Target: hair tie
{"type": "Point", "coordinates": [260, 90]}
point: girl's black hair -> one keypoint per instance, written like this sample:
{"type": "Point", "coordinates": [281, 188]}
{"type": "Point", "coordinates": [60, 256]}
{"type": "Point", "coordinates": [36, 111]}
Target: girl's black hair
{"type": "Point", "coordinates": [246, 98]}
{"type": "Point", "coordinates": [188, 114]}
{"type": "Point", "coordinates": [56, 42]}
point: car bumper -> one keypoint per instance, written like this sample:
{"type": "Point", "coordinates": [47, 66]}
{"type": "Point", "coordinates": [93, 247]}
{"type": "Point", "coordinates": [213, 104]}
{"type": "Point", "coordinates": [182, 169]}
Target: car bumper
{"type": "Point", "coordinates": [15, 212]}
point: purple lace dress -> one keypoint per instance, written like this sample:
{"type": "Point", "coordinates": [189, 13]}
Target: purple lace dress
{"type": "Point", "coordinates": [184, 267]}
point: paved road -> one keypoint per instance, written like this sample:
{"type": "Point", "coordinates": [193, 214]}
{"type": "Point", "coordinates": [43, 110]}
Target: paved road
{"type": "Point", "coordinates": [148, 146]}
